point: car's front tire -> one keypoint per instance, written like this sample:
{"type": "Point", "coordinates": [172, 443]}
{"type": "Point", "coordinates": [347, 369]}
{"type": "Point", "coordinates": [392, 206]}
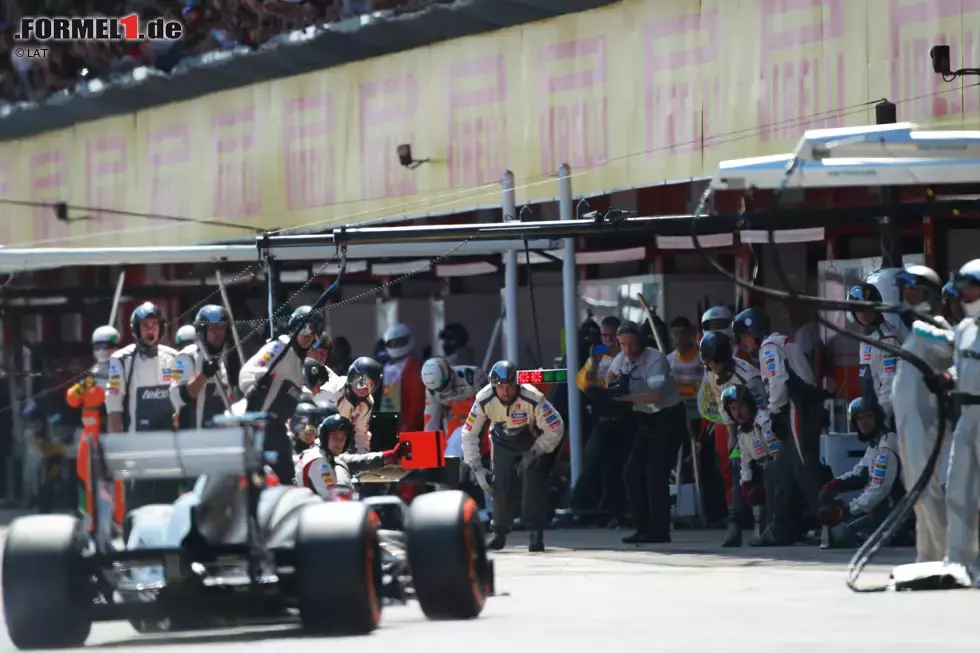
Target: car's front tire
{"type": "Point", "coordinates": [338, 568]}
{"type": "Point", "coordinates": [447, 555]}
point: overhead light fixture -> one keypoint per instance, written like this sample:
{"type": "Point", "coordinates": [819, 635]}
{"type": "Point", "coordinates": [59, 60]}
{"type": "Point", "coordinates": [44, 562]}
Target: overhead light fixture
{"type": "Point", "coordinates": [406, 159]}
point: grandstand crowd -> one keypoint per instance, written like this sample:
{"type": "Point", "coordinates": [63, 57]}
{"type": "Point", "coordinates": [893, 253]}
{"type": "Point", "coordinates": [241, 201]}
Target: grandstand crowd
{"type": "Point", "coordinates": [210, 25]}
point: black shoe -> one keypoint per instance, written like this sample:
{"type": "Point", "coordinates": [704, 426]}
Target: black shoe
{"type": "Point", "coordinates": [497, 542]}
{"type": "Point", "coordinates": [536, 543]}
{"type": "Point", "coordinates": [733, 537]}
{"type": "Point", "coordinates": [645, 538]}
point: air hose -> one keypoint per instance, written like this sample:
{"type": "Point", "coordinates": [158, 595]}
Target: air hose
{"type": "Point", "coordinates": [900, 513]}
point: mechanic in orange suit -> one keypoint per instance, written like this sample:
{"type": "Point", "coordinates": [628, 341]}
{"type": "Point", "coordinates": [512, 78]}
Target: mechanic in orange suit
{"type": "Point", "coordinates": [404, 392]}
{"type": "Point", "coordinates": [89, 395]}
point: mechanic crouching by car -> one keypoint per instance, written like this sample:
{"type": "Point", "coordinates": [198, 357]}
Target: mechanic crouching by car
{"type": "Point", "coordinates": [304, 422]}
{"type": "Point", "coordinates": [279, 394]}
{"type": "Point", "coordinates": [641, 377]}
{"type": "Point", "coordinates": [327, 468]}
{"type": "Point", "coordinates": [524, 428]}
{"type": "Point", "coordinates": [351, 395]}
{"type": "Point", "coordinates": [138, 395]}
{"type": "Point", "coordinates": [199, 383]}
{"type": "Point", "coordinates": [875, 474]}
{"type": "Point", "coordinates": [756, 447]}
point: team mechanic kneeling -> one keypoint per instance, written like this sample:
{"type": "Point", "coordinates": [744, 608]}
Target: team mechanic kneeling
{"type": "Point", "coordinates": [875, 475]}
{"type": "Point", "coordinates": [524, 429]}
{"type": "Point", "coordinates": [327, 468]}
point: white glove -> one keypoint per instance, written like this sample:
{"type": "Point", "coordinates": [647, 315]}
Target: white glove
{"type": "Point", "coordinates": [482, 479]}
{"type": "Point", "coordinates": [533, 455]}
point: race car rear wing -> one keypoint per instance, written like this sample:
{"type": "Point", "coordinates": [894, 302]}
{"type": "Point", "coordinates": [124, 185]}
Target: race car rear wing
{"type": "Point", "coordinates": [232, 449]}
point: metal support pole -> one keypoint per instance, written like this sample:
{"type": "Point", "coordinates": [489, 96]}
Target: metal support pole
{"type": "Point", "coordinates": [891, 226]}
{"type": "Point", "coordinates": [273, 268]}
{"type": "Point", "coordinates": [569, 292]}
{"type": "Point", "coordinates": [512, 352]}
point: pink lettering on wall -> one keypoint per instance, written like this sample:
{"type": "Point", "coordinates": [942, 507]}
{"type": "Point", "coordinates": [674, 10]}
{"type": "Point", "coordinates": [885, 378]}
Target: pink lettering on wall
{"type": "Point", "coordinates": [310, 171]}
{"type": "Point", "coordinates": [105, 165]}
{"type": "Point", "coordinates": [916, 26]}
{"type": "Point", "coordinates": [387, 108]}
{"type": "Point", "coordinates": [6, 210]}
{"type": "Point", "coordinates": [478, 151]}
{"type": "Point", "coordinates": [686, 108]}
{"type": "Point", "coordinates": [804, 92]}
{"type": "Point", "coordinates": [573, 125]}
{"type": "Point", "coordinates": [236, 187]}
{"type": "Point", "coordinates": [48, 172]}
{"type": "Point", "coordinates": [169, 177]}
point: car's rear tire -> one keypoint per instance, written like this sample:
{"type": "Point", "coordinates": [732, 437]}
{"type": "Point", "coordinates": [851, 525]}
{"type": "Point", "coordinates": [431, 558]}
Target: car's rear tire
{"type": "Point", "coordinates": [47, 597]}
{"type": "Point", "coordinates": [338, 568]}
{"type": "Point", "coordinates": [447, 555]}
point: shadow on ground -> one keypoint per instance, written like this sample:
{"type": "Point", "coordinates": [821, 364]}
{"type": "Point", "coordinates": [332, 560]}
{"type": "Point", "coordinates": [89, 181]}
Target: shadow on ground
{"type": "Point", "coordinates": [698, 548]}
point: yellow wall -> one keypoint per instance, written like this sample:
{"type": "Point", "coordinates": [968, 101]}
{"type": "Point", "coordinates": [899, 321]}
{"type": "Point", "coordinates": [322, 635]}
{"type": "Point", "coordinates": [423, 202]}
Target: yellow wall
{"type": "Point", "coordinates": [628, 95]}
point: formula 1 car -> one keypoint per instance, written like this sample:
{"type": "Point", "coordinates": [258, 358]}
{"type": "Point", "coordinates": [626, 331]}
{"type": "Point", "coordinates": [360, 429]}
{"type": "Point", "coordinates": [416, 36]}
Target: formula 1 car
{"type": "Point", "coordinates": [236, 551]}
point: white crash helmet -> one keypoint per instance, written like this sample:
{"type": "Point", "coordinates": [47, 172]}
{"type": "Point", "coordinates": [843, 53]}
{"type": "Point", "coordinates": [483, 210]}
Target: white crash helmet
{"type": "Point", "coordinates": [186, 335]}
{"type": "Point", "coordinates": [398, 341]}
{"type": "Point", "coordinates": [104, 339]}
{"type": "Point", "coordinates": [437, 374]}
{"type": "Point", "coordinates": [968, 275]}
{"type": "Point", "coordinates": [718, 314]}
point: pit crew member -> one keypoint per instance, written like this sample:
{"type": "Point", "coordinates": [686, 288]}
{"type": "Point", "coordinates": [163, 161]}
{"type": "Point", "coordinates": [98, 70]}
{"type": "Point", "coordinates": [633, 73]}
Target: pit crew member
{"type": "Point", "coordinates": [963, 482]}
{"type": "Point", "coordinates": [646, 384]}
{"type": "Point", "coordinates": [351, 395]}
{"type": "Point", "coordinates": [722, 370]}
{"type": "Point", "coordinates": [874, 475]}
{"type": "Point", "coordinates": [719, 319]}
{"type": "Point", "coordinates": [757, 447]}
{"type": "Point", "coordinates": [404, 393]}
{"type": "Point", "coordinates": [304, 422]}
{"type": "Point", "coordinates": [138, 396]}
{"type": "Point", "coordinates": [455, 340]}
{"type": "Point", "coordinates": [796, 411]}
{"type": "Point", "coordinates": [185, 336]}
{"type": "Point", "coordinates": [917, 416]}
{"type": "Point", "coordinates": [90, 395]}
{"type": "Point", "coordinates": [328, 470]}
{"type": "Point", "coordinates": [448, 398]}
{"type": "Point", "coordinates": [921, 288]}
{"type": "Point", "coordinates": [199, 387]}
{"type": "Point", "coordinates": [877, 366]}
{"type": "Point", "coordinates": [279, 394]}
{"type": "Point", "coordinates": [524, 428]}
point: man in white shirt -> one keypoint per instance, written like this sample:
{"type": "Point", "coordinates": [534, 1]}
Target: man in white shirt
{"type": "Point", "coordinates": [642, 378]}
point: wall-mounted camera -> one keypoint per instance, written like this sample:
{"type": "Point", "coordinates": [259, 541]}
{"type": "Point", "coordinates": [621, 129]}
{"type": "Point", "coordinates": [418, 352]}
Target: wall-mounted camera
{"type": "Point", "coordinates": [942, 64]}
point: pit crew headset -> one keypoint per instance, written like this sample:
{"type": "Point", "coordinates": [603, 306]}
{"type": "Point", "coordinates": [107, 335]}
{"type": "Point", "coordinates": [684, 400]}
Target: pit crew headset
{"type": "Point", "coordinates": [901, 511]}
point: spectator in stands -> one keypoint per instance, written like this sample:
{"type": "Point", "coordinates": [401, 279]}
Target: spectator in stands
{"type": "Point", "coordinates": [209, 25]}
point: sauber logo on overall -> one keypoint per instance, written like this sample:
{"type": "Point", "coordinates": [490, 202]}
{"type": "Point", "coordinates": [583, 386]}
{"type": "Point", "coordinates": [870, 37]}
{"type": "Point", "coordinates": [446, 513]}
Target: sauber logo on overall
{"type": "Point", "coordinates": [97, 28]}
{"type": "Point", "coordinates": [866, 354]}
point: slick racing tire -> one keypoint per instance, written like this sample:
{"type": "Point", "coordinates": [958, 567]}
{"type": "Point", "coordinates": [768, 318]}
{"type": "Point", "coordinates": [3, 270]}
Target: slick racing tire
{"type": "Point", "coordinates": [338, 568]}
{"type": "Point", "coordinates": [447, 555]}
{"type": "Point", "coordinates": [47, 596]}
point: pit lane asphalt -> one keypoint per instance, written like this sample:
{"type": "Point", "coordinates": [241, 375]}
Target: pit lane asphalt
{"type": "Point", "coordinates": [589, 593]}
